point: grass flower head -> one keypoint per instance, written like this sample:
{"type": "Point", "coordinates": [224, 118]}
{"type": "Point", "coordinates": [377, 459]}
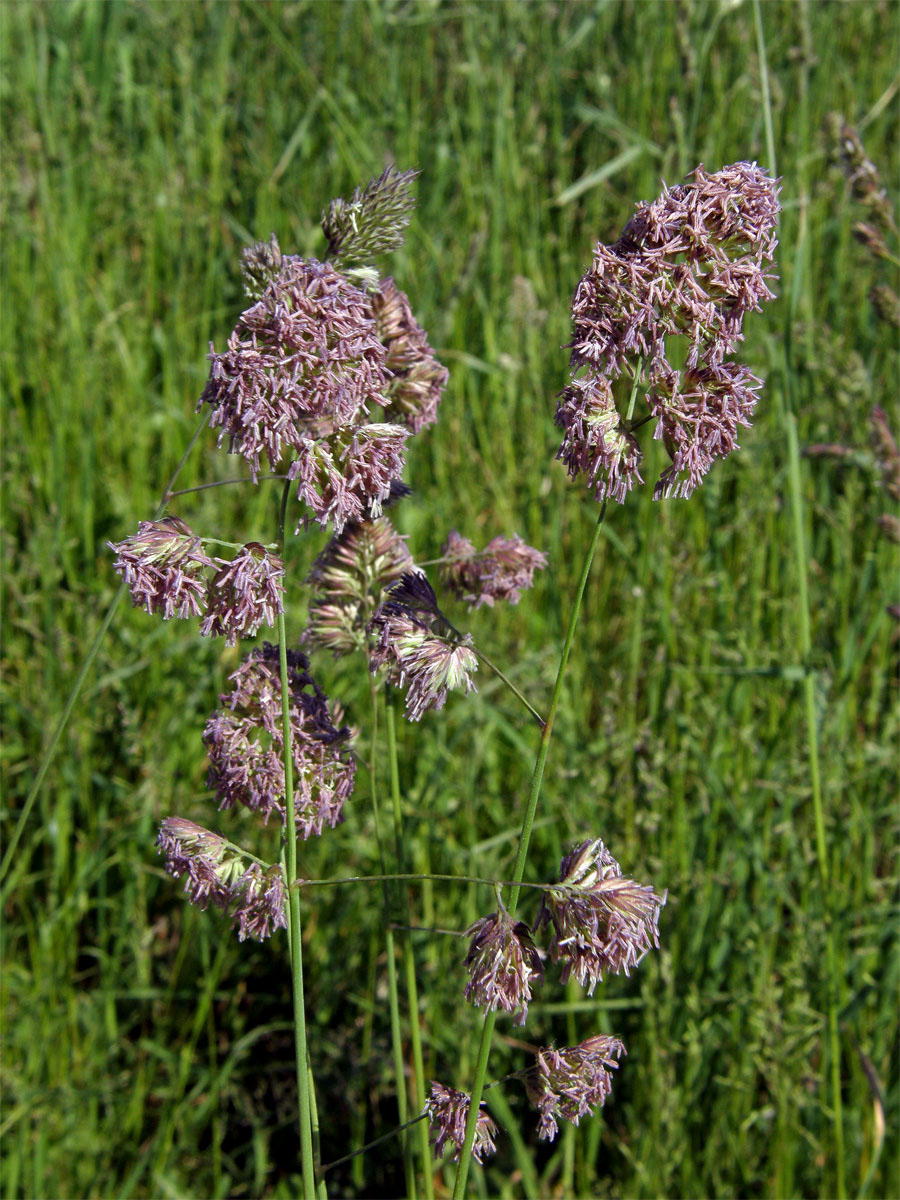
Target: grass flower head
{"type": "Point", "coordinates": [245, 744]}
{"type": "Point", "coordinates": [350, 578]}
{"type": "Point", "coordinates": [303, 360]}
{"type": "Point", "coordinates": [502, 571]}
{"type": "Point", "coordinates": [244, 594]}
{"type": "Point", "coordinates": [164, 567]}
{"type": "Point", "coordinates": [418, 658]}
{"type": "Point", "coordinates": [567, 1084]}
{"type": "Point", "coordinates": [417, 379]}
{"type": "Point", "coordinates": [503, 963]}
{"type": "Point", "coordinates": [690, 265]}
{"type": "Point", "coordinates": [601, 920]}
{"type": "Point", "coordinates": [214, 872]}
{"type": "Point", "coordinates": [448, 1111]}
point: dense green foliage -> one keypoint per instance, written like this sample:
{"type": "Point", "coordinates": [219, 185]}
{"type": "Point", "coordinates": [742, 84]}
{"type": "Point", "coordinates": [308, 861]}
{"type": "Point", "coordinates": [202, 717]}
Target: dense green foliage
{"type": "Point", "coordinates": [146, 1052]}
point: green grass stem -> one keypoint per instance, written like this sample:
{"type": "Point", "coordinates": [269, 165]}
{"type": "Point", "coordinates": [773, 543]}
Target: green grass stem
{"type": "Point", "coordinates": [801, 566]}
{"type": "Point", "coordinates": [409, 1168]}
{"type": "Point", "coordinates": [295, 931]}
{"type": "Point", "coordinates": [406, 947]}
{"type": "Point", "coordinates": [487, 1031]}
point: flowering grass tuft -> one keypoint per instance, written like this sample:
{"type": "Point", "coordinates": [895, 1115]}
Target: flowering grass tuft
{"type": "Point", "coordinates": [246, 749]}
{"type": "Point", "coordinates": [447, 1111]}
{"type": "Point", "coordinates": [689, 266]}
{"type": "Point", "coordinates": [568, 1084]}
{"type": "Point", "coordinates": [601, 920]}
{"type": "Point", "coordinates": [244, 594]}
{"type": "Point", "coordinates": [322, 350]}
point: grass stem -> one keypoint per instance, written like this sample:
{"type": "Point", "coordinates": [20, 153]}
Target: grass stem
{"type": "Point", "coordinates": [390, 952]}
{"type": "Point", "coordinates": [805, 631]}
{"type": "Point", "coordinates": [293, 913]}
{"type": "Point", "coordinates": [409, 966]}
{"type": "Point", "coordinates": [487, 1031]}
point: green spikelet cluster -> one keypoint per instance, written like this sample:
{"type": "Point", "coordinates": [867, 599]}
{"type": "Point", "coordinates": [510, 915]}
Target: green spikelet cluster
{"type": "Point", "coordinates": [372, 221]}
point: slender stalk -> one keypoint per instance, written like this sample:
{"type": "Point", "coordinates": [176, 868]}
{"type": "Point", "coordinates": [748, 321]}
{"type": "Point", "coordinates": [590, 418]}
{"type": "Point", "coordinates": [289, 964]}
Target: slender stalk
{"type": "Point", "coordinates": [63, 721]}
{"type": "Point", "coordinates": [407, 876]}
{"type": "Point", "coordinates": [321, 1186]}
{"type": "Point", "coordinates": [293, 913]}
{"type": "Point", "coordinates": [379, 1141]}
{"type": "Point", "coordinates": [412, 994]}
{"type": "Point", "coordinates": [487, 1029]}
{"type": "Point", "coordinates": [805, 622]}
{"type": "Point", "coordinates": [509, 683]}
{"type": "Point", "coordinates": [216, 483]}
{"type": "Point", "coordinates": [211, 541]}
{"type": "Point", "coordinates": [393, 999]}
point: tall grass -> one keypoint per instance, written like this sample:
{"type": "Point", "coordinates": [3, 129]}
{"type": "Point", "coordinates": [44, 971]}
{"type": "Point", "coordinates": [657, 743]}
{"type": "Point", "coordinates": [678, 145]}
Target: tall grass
{"type": "Point", "coordinates": [148, 1055]}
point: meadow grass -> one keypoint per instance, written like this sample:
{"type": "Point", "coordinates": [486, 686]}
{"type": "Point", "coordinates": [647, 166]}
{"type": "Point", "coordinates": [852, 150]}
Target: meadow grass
{"type": "Point", "coordinates": [147, 1054]}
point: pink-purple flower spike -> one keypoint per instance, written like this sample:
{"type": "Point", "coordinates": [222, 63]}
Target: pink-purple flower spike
{"type": "Point", "coordinates": [571, 1082]}
{"type": "Point", "coordinates": [690, 265]}
{"type": "Point", "coordinates": [600, 919]}
{"type": "Point", "coordinates": [447, 1111]}
{"type": "Point", "coordinates": [245, 744]}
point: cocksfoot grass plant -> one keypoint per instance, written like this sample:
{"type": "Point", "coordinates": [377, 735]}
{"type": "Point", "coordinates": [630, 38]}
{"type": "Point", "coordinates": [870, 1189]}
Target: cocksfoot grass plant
{"type": "Point", "coordinates": [325, 378]}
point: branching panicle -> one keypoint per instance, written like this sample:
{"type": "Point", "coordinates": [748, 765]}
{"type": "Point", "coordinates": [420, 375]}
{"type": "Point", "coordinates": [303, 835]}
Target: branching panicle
{"type": "Point", "coordinates": [301, 362]}
{"type": "Point", "coordinates": [690, 265]}
{"type": "Point", "coordinates": [164, 567]}
{"type": "Point", "coordinates": [419, 648]}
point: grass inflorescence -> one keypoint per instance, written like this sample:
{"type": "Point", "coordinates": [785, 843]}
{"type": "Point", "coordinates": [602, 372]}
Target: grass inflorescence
{"type": "Point", "coordinates": [147, 1051]}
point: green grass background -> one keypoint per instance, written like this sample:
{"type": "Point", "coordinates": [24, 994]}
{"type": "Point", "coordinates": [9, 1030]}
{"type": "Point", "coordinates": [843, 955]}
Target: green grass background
{"type": "Point", "coordinates": [146, 1053]}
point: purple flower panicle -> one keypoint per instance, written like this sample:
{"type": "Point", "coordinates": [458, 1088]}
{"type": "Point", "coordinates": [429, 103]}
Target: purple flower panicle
{"type": "Point", "coordinates": [303, 360]}
{"type": "Point", "coordinates": [690, 265]}
{"type": "Point", "coordinates": [418, 647]}
{"type": "Point", "coordinates": [502, 571]}
{"type": "Point", "coordinates": [164, 567]}
{"type": "Point", "coordinates": [214, 873]}
{"type": "Point", "coordinates": [569, 1083]}
{"type": "Point", "coordinates": [601, 920]}
{"type": "Point", "coordinates": [245, 744]}
{"type": "Point", "coordinates": [244, 594]}
{"type": "Point", "coordinates": [167, 572]}
{"type": "Point", "coordinates": [447, 1111]}
{"type": "Point", "coordinates": [503, 963]}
